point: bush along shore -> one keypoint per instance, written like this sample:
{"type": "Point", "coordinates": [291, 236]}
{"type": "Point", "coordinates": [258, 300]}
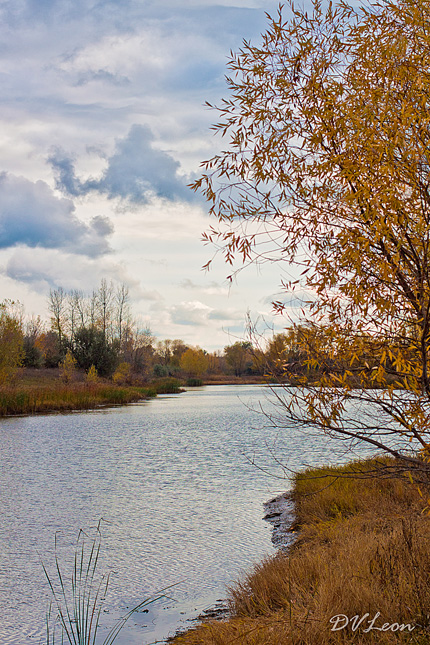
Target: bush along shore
{"type": "Point", "coordinates": [357, 572]}
{"type": "Point", "coordinates": [42, 395]}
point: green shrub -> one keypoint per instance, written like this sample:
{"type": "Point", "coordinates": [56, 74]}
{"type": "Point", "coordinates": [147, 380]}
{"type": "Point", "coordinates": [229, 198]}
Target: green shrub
{"type": "Point", "coordinates": [160, 371]}
{"type": "Point", "coordinates": [167, 385]}
{"type": "Point", "coordinates": [194, 382]}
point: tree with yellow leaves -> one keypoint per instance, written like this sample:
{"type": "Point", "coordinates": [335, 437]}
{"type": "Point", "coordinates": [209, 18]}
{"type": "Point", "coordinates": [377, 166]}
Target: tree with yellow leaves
{"type": "Point", "coordinates": [11, 340]}
{"type": "Point", "coordinates": [328, 170]}
{"type": "Point", "coordinates": [68, 367]}
{"type": "Point", "coordinates": [92, 377]}
{"type": "Point", "coordinates": [194, 362]}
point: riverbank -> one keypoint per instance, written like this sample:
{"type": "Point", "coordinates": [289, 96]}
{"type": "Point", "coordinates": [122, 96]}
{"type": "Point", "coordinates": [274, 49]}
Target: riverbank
{"type": "Point", "coordinates": [362, 549]}
{"type": "Point", "coordinates": [44, 392]}
{"type": "Point", "coordinates": [38, 391]}
{"type": "Point", "coordinates": [235, 380]}
{"type": "Point", "coordinates": [65, 398]}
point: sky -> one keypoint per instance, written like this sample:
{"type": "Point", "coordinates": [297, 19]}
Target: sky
{"type": "Point", "coordinates": [103, 125]}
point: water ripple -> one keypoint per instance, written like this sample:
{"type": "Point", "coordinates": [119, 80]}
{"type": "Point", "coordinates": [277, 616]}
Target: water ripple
{"type": "Point", "coordinates": [182, 503]}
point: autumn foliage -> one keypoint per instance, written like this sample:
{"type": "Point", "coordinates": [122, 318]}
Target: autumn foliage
{"type": "Point", "coordinates": [327, 170]}
{"type": "Point", "coordinates": [11, 341]}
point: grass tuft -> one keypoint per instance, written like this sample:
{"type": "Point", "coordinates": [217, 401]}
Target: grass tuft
{"type": "Point", "coordinates": [194, 382]}
{"type": "Point", "coordinates": [73, 616]}
{"type": "Point", "coordinates": [167, 385]}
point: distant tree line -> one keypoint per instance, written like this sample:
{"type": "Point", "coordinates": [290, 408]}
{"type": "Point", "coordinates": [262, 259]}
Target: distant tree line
{"type": "Point", "coordinates": [98, 334]}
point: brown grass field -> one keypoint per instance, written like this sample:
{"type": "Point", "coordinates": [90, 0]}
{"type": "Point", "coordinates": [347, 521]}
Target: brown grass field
{"type": "Point", "coordinates": [362, 547]}
{"type": "Point", "coordinates": [43, 391]}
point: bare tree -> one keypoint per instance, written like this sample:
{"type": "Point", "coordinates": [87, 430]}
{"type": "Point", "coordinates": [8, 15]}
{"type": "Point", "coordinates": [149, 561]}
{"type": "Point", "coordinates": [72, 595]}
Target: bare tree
{"type": "Point", "coordinates": [57, 307]}
{"type": "Point", "coordinates": [81, 307]}
{"type": "Point", "coordinates": [105, 296]}
{"type": "Point", "coordinates": [71, 314]}
{"type": "Point", "coordinates": [122, 310]}
{"type": "Point", "coordinates": [92, 309]}
{"type": "Point", "coordinates": [33, 328]}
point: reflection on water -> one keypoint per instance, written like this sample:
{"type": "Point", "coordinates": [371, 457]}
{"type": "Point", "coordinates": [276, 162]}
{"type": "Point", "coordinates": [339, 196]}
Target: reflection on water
{"type": "Point", "coordinates": [172, 480]}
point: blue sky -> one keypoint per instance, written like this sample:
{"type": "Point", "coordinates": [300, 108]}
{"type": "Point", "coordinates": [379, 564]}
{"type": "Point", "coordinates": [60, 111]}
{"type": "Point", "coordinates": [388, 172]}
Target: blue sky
{"type": "Point", "coordinates": [103, 124]}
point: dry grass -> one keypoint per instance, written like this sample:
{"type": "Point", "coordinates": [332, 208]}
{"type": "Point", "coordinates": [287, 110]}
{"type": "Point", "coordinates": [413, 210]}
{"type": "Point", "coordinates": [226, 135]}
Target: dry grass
{"type": "Point", "coordinates": [363, 547]}
{"type": "Point", "coordinates": [60, 397]}
{"type": "Point", "coordinates": [35, 391]}
{"type": "Point", "coordinates": [231, 379]}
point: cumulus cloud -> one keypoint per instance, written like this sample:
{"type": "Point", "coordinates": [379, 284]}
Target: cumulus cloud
{"type": "Point", "coordinates": [197, 313]}
{"type": "Point", "coordinates": [76, 76]}
{"type": "Point", "coordinates": [190, 313]}
{"type": "Point", "coordinates": [136, 171]}
{"type": "Point", "coordinates": [160, 51]}
{"type": "Point", "coordinates": [151, 295]}
{"type": "Point", "coordinates": [32, 215]}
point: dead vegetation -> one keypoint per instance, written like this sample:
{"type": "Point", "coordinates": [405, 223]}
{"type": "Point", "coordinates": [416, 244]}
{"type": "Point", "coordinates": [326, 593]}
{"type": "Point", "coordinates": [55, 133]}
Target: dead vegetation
{"type": "Point", "coordinates": [362, 549]}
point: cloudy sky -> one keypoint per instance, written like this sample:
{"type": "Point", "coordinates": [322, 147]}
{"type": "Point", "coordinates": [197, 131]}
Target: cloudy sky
{"type": "Point", "coordinates": [103, 124]}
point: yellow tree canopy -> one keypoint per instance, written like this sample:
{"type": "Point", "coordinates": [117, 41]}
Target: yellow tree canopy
{"type": "Point", "coordinates": [194, 362]}
{"type": "Point", "coordinates": [11, 340]}
{"type": "Point", "coordinates": [328, 168]}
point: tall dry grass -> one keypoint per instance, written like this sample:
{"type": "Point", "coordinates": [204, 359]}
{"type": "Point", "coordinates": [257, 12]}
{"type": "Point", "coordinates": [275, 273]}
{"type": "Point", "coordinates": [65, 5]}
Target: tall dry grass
{"type": "Point", "coordinates": [60, 397]}
{"type": "Point", "coordinates": [41, 391]}
{"type": "Point", "coordinates": [363, 547]}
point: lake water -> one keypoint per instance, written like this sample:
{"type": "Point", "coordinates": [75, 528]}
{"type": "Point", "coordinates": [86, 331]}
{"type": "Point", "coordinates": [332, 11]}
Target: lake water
{"type": "Point", "coordinates": [181, 503]}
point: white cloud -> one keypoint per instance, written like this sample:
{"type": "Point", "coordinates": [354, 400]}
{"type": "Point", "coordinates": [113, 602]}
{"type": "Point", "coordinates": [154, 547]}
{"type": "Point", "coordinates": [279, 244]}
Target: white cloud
{"type": "Point", "coordinates": [136, 171]}
{"type": "Point", "coordinates": [43, 269]}
{"type": "Point", "coordinates": [190, 313]}
{"type": "Point", "coordinates": [168, 222]}
{"type": "Point", "coordinates": [227, 315]}
{"type": "Point", "coordinates": [119, 55]}
{"type": "Point", "coordinates": [120, 86]}
{"type": "Point", "coordinates": [212, 289]}
{"type": "Point", "coordinates": [31, 214]}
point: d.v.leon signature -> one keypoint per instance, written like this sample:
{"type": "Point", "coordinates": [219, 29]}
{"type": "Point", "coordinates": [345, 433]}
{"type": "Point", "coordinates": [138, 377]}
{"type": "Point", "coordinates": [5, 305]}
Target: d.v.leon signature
{"type": "Point", "coordinates": [340, 621]}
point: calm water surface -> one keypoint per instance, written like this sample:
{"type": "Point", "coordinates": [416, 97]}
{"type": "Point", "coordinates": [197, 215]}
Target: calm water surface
{"type": "Point", "coordinates": [172, 480]}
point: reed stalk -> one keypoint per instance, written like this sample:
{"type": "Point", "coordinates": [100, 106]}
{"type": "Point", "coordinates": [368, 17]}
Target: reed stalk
{"type": "Point", "coordinates": [73, 616]}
